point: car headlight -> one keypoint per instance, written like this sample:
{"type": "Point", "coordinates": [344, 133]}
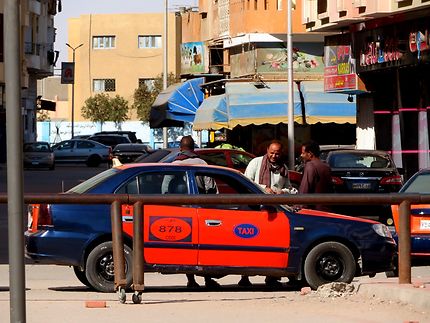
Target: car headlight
{"type": "Point", "coordinates": [382, 230]}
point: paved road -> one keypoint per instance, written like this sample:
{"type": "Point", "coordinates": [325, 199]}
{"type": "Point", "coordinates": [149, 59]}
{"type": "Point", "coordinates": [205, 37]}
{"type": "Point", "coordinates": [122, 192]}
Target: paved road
{"type": "Point", "coordinates": [55, 295]}
{"type": "Point", "coordinates": [41, 181]}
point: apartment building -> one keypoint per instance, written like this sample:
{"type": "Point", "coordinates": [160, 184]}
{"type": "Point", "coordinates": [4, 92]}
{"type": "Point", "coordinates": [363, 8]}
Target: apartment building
{"type": "Point", "coordinates": [385, 46]}
{"type": "Point", "coordinates": [246, 41]}
{"type": "Point", "coordinates": [118, 52]}
{"type": "Point", "coordinates": [38, 60]}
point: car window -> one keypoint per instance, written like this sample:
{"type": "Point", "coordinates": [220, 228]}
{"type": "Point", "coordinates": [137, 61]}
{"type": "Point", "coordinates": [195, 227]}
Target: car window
{"type": "Point", "coordinates": [421, 184]}
{"type": "Point", "coordinates": [214, 158]}
{"type": "Point", "coordinates": [227, 185]}
{"type": "Point", "coordinates": [358, 161]}
{"type": "Point", "coordinates": [65, 145]}
{"type": "Point", "coordinates": [240, 160]}
{"type": "Point", "coordinates": [37, 147]}
{"type": "Point", "coordinates": [93, 181]}
{"type": "Point", "coordinates": [84, 145]}
{"type": "Point", "coordinates": [156, 183]}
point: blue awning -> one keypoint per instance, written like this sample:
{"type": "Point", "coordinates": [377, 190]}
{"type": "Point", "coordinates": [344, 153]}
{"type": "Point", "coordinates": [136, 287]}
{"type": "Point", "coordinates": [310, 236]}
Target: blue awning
{"type": "Point", "coordinates": [326, 107]}
{"type": "Point", "coordinates": [245, 104]}
{"type": "Point", "coordinates": [177, 104]}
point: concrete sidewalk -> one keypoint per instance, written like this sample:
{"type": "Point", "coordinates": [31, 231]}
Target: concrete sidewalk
{"type": "Point", "coordinates": [55, 295]}
{"type": "Point", "coordinates": [416, 294]}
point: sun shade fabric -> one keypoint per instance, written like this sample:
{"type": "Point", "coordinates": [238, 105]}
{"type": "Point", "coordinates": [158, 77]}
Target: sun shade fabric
{"type": "Point", "coordinates": [245, 104]}
{"type": "Point", "coordinates": [212, 113]}
{"type": "Point", "coordinates": [326, 107]}
{"type": "Point", "coordinates": [177, 104]}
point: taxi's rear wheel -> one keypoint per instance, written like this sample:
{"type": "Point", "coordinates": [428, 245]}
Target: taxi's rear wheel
{"type": "Point", "coordinates": [99, 268]}
{"type": "Point", "coordinates": [329, 262]}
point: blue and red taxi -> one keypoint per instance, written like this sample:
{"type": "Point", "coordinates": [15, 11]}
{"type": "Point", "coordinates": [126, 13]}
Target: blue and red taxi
{"type": "Point", "coordinates": [311, 246]}
{"type": "Point", "coordinates": [420, 218]}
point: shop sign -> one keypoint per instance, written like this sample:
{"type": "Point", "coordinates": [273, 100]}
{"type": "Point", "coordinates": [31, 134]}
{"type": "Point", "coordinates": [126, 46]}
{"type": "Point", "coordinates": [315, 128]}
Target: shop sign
{"type": "Point", "coordinates": [418, 42]}
{"type": "Point", "coordinates": [380, 51]}
{"type": "Point", "coordinates": [339, 70]}
{"type": "Point", "coordinates": [393, 45]}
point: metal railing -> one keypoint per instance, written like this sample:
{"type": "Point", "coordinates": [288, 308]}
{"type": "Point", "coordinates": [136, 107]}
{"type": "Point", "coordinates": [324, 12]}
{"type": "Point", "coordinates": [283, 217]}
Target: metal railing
{"type": "Point", "coordinates": [138, 201]}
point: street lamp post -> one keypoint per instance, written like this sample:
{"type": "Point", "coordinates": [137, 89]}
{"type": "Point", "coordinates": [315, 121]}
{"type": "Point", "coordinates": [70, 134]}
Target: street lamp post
{"type": "Point", "coordinates": [73, 87]}
{"type": "Point", "coordinates": [291, 141]}
{"type": "Point", "coordinates": [165, 62]}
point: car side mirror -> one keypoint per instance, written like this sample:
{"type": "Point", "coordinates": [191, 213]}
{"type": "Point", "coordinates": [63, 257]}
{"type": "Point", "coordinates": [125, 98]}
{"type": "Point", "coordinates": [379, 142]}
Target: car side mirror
{"type": "Point", "coordinates": [269, 208]}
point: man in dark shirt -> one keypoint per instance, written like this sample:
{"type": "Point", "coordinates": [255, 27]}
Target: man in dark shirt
{"type": "Point", "coordinates": [316, 175]}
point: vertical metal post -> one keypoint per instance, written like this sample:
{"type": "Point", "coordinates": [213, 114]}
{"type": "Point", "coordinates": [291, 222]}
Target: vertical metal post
{"type": "Point", "coordinates": [405, 242]}
{"type": "Point", "coordinates": [138, 248]}
{"type": "Point", "coordinates": [73, 96]}
{"type": "Point", "coordinates": [14, 133]}
{"type": "Point", "coordinates": [291, 145]}
{"type": "Point", "coordinates": [118, 245]}
{"type": "Point", "coordinates": [73, 86]}
{"type": "Point", "coordinates": [165, 61]}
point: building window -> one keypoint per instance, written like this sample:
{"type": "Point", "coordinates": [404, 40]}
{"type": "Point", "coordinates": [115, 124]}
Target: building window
{"type": "Point", "coordinates": [149, 41]}
{"type": "Point", "coordinates": [103, 42]}
{"type": "Point", "coordinates": [322, 6]}
{"type": "Point", "coordinates": [266, 4]}
{"type": "Point", "coordinates": [149, 83]}
{"type": "Point", "coordinates": [279, 5]}
{"type": "Point", "coordinates": [255, 4]}
{"type": "Point", "coordinates": [104, 85]}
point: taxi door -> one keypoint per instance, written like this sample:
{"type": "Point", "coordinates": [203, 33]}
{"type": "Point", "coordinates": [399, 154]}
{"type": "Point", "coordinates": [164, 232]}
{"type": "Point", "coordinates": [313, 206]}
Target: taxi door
{"type": "Point", "coordinates": [170, 232]}
{"type": "Point", "coordinates": [243, 238]}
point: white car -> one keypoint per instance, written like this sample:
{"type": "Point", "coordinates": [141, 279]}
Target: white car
{"type": "Point", "coordinates": [89, 152]}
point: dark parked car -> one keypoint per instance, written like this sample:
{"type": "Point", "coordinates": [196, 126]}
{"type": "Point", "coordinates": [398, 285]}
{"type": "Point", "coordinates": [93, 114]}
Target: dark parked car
{"type": "Point", "coordinates": [127, 153]}
{"type": "Point", "coordinates": [364, 171]}
{"type": "Point", "coordinates": [110, 140]}
{"type": "Point", "coordinates": [231, 158]}
{"type": "Point", "coordinates": [85, 151]}
{"type": "Point", "coordinates": [311, 246]}
{"type": "Point", "coordinates": [131, 135]}
{"type": "Point", "coordinates": [38, 155]}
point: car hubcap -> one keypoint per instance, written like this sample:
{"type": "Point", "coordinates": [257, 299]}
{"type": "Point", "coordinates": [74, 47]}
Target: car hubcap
{"type": "Point", "coordinates": [330, 267]}
{"type": "Point", "coordinates": [106, 268]}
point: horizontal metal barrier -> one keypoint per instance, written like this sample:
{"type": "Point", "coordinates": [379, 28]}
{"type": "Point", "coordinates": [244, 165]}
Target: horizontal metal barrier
{"type": "Point", "coordinates": [401, 199]}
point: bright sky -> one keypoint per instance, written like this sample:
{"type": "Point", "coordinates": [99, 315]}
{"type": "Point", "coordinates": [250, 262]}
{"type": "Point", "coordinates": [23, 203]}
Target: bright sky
{"type": "Point", "coordinates": [75, 8]}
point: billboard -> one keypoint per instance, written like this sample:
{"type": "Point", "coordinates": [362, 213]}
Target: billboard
{"type": "Point", "coordinates": [192, 58]}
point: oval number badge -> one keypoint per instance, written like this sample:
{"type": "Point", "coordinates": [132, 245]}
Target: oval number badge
{"type": "Point", "coordinates": [246, 230]}
{"type": "Point", "coordinates": [170, 229]}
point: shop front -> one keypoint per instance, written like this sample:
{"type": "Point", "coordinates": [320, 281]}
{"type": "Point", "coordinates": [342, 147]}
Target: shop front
{"type": "Point", "coordinates": [393, 60]}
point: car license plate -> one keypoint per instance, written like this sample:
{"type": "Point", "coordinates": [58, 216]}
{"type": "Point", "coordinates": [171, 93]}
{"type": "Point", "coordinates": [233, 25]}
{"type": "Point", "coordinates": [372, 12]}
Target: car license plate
{"type": "Point", "coordinates": [425, 225]}
{"type": "Point", "coordinates": [361, 186]}
{"type": "Point", "coordinates": [35, 163]}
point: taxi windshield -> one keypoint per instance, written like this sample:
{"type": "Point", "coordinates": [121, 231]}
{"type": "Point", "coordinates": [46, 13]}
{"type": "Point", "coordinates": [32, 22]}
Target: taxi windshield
{"type": "Point", "coordinates": [93, 181]}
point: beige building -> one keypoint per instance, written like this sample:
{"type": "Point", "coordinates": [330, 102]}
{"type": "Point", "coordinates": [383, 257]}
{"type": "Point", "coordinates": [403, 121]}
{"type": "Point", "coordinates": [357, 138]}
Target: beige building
{"type": "Point", "coordinates": [119, 51]}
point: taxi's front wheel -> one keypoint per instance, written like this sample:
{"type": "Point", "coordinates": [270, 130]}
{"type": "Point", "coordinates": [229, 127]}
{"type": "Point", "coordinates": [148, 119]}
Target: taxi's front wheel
{"type": "Point", "coordinates": [329, 262]}
{"type": "Point", "coordinates": [99, 268]}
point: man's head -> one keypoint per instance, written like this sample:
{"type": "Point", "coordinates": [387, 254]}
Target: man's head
{"type": "Point", "coordinates": [310, 150]}
{"type": "Point", "coordinates": [274, 151]}
{"type": "Point", "coordinates": [187, 143]}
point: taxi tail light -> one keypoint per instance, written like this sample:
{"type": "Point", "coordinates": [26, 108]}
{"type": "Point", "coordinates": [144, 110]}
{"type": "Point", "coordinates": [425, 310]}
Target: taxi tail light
{"type": "Point", "coordinates": [392, 180]}
{"type": "Point", "coordinates": [44, 217]}
{"type": "Point", "coordinates": [336, 180]}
